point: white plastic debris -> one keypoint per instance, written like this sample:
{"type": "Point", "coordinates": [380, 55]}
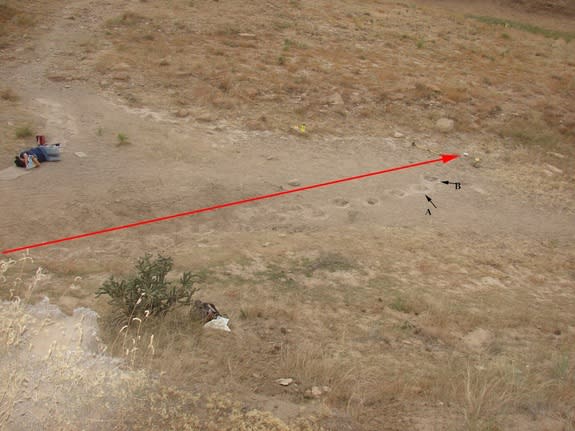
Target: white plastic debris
{"type": "Point", "coordinates": [220, 323]}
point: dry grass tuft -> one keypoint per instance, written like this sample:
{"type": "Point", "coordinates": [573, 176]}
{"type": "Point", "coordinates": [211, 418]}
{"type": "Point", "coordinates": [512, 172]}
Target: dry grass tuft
{"type": "Point", "coordinates": [23, 132]}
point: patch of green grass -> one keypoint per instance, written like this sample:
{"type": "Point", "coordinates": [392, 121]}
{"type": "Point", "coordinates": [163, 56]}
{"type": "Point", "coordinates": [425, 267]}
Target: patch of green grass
{"type": "Point", "coordinates": [126, 19]}
{"type": "Point", "coordinates": [281, 60]}
{"type": "Point", "coordinates": [420, 43]}
{"type": "Point", "coordinates": [530, 28]}
{"type": "Point", "coordinates": [330, 262]}
{"type": "Point", "coordinates": [123, 139]}
{"type": "Point", "coordinates": [531, 133]}
{"type": "Point", "coordinates": [560, 368]}
{"type": "Point", "coordinates": [281, 25]}
{"type": "Point", "coordinates": [288, 43]}
{"type": "Point", "coordinates": [23, 132]}
{"type": "Point", "coordinates": [400, 304]}
{"type": "Point", "coordinates": [278, 275]}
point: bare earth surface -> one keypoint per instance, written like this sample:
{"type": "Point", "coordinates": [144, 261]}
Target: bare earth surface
{"type": "Point", "coordinates": [462, 319]}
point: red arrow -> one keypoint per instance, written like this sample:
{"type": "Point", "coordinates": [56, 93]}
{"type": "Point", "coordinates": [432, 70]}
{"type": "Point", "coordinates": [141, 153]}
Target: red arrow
{"type": "Point", "coordinates": [445, 158]}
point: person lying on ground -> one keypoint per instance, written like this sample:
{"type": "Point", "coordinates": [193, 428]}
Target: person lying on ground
{"type": "Point", "coordinates": [32, 158]}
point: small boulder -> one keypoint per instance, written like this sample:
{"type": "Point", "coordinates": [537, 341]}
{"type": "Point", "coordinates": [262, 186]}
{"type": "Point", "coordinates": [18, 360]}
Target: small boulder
{"type": "Point", "coordinates": [445, 125]}
{"type": "Point", "coordinates": [284, 382]}
{"type": "Point", "coordinates": [182, 113]}
{"type": "Point", "coordinates": [316, 391]}
{"type": "Point", "coordinates": [294, 183]}
{"type": "Point", "coordinates": [335, 99]}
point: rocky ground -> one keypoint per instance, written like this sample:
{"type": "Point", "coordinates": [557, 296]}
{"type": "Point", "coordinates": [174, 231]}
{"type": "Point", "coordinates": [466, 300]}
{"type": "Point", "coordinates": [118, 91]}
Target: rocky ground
{"type": "Point", "coordinates": [382, 316]}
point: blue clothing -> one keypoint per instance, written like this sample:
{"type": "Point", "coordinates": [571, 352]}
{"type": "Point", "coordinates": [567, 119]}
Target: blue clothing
{"type": "Point", "coordinates": [50, 153]}
{"type": "Point", "coordinates": [40, 155]}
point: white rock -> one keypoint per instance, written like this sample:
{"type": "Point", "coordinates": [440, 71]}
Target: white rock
{"type": "Point", "coordinates": [553, 168]}
{"type": "Point", "coordinates": [398, 135]}
{"type": "Point", "coordinates": [294, 183]}
{"type": "Point", "coordinates": [285, 382]}
{"type": "Point", "coordinates": [121, 67]}
{"type": "Point", "coordinates": [445, 125]}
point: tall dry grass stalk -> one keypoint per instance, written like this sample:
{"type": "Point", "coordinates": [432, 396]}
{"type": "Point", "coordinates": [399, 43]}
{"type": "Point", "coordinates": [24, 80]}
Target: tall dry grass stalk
{"type": "Point", "coordinates": [14, 325]}
{"type": "Point", "coordinates": [133, 344]}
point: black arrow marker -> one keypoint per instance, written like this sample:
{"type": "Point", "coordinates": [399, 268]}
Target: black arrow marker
{"type": "Point", "coordinates": [457, 185]}
{"type": "Point", "coordinates": [430, 201]}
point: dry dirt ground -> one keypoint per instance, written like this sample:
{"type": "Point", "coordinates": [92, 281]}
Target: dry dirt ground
{"type": "Point", "coordinates": [459, 320]}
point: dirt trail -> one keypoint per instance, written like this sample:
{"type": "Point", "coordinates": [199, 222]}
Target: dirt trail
{"type": "Point", "coordinates": [174, 165]}
{"type": "Point", "coordinates": [171, 163]}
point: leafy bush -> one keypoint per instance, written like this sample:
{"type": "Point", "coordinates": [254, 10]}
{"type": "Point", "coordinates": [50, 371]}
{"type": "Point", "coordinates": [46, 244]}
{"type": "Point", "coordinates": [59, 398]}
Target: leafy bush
{"type": "Point", "coordinates": [149, 292]}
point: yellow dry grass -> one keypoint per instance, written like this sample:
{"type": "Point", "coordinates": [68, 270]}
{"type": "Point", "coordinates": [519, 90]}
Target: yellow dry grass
{"type": "Point", "coordinates": [472, 332]}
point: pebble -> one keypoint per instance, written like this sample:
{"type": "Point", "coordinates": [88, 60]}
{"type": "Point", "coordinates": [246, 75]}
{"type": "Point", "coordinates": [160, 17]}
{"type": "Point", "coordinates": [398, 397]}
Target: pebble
{"type": "Point", "coordinates": [294, 183]}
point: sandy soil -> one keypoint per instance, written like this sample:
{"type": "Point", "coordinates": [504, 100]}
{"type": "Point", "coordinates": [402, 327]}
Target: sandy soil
{"type": "Point", "coordinates": [414, 321]}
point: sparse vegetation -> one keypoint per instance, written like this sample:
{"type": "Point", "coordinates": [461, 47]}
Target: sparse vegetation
{"type": "Point", "coordinates": [530, 28]}
{"type": "Point", "coordinates": [399, 304]}
{"type": "Point", "coordinates": [23, 132]}
{"type": "Point", "coordinates": [123, 139]}
{"type": "Point", "coordinates": [455, 321]}
{"type": "Point", "coordinates": [126, 19]}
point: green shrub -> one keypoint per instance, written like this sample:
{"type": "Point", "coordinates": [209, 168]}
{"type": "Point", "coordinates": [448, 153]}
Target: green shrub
{"type": "Point", "coordinates": [123, 139]}
{"type": "Point", "coordinates": [149, 292]}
